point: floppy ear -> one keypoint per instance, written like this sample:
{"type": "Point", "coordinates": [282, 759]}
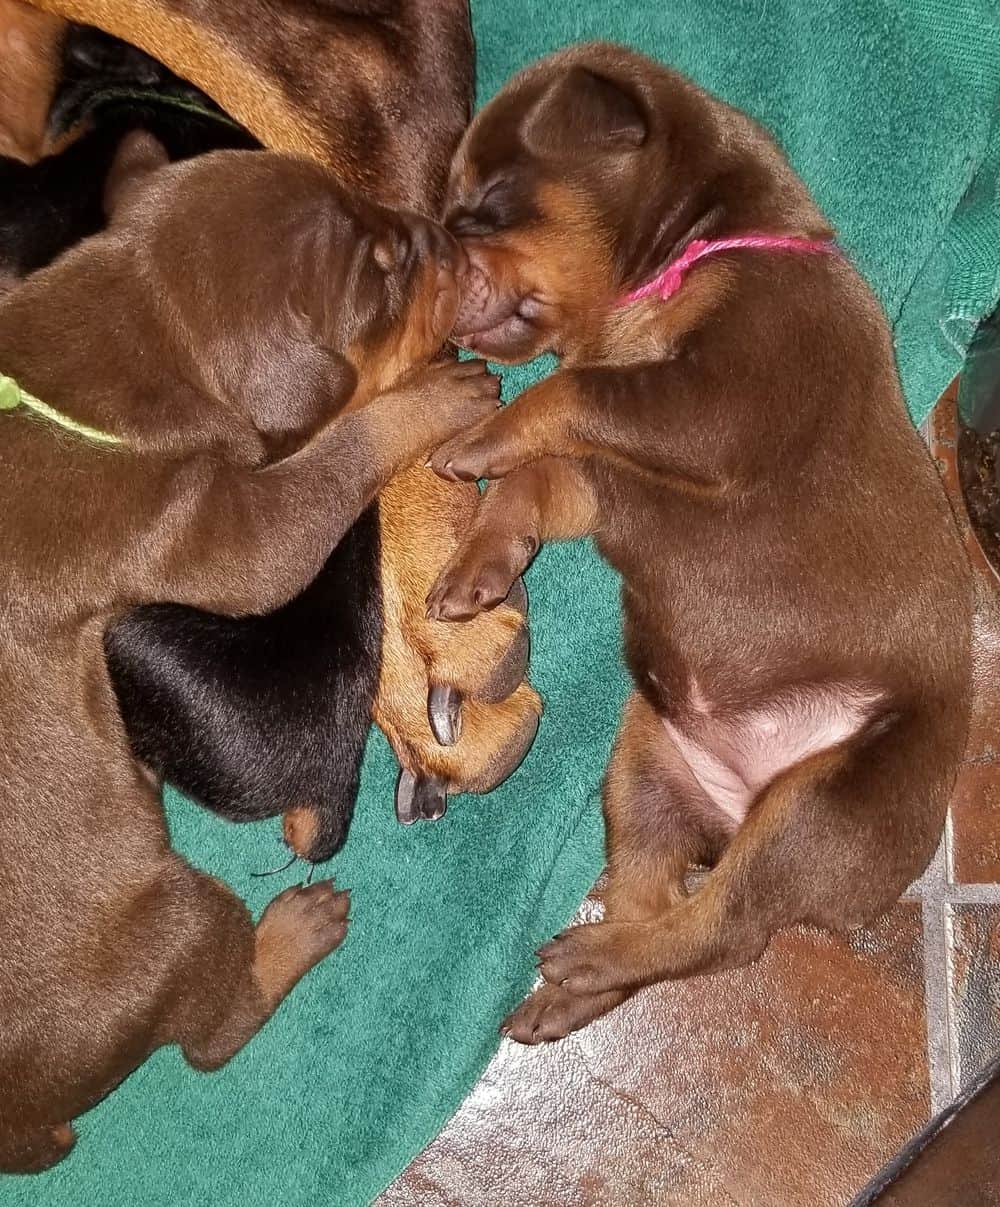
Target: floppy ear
{"type": "Point", "coordinates": [139, 154]}
{"type": "Point", "coordinates": [584, 109]}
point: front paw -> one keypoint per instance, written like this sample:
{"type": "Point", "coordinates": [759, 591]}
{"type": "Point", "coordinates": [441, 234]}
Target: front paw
{"type": "Point", "coordinates": [457, 395]}
{"type": "Point", "coordinates": [471, 456]}
{"type": "Point", "coordinates": [478, 579]}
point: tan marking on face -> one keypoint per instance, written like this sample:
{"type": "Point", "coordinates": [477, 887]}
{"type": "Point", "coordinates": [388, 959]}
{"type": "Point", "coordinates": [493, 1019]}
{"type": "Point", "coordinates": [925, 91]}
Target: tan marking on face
{"type": "Point", "coordinates": [410, 343]}
{"type": "Point", "coordinates": [568, 260]}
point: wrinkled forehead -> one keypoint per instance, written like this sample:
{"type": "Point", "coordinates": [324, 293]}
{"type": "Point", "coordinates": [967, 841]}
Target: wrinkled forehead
{"type": "Point", "coordinates": [493, 143]}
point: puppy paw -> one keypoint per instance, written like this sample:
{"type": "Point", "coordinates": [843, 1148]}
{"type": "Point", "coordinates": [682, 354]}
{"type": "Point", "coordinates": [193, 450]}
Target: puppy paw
{"type": "Point", "coordinates": [471, 456]}
{"type": "Point", "coordinates": [599, 958]}
{"type": "Point", "coordinates": [452, 395]}
{"type": "Point", "coordinates": [444, 713]}
{"type": "Point", "coordinates": [478, 579]}
{"type": "Point", "coordinates": [420, 797]}
{"type": "Point", "coordinates": [302, 926]}
{"type": "Point", "coordinates": [551, 1013]}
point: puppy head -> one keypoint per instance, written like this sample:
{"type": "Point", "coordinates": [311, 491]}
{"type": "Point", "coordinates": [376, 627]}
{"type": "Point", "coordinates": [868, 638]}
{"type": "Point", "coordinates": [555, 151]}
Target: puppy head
{"type": "Point", "coordinates": [578, 180]}
{"type": "Point", "coordinates": [282, 296]}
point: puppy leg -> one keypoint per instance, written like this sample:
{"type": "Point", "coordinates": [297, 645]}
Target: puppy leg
{"type": "Point", "coordinates": [271, 530]}
{"type": "Point", "coordinates": [832, 843]}
{"type": "Point", "coordinates": [236, 975]}
{"type": "Point", "coordinates": [537, 425]}
{"type": "Point", "coordinates": [551, 499]}
{"type": "Point", "coordinates": [658, 826]}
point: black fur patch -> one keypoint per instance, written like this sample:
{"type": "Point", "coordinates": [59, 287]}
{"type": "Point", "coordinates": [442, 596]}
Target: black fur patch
{"type": "Point", "coordinates": [254, 716]}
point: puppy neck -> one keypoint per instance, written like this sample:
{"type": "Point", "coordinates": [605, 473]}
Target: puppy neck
{"type": "Point", "coordinates": [651, 329]}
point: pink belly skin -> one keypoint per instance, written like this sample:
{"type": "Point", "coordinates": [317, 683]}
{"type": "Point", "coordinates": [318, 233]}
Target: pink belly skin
{"type": "Point", "coordinates": [734, 757]}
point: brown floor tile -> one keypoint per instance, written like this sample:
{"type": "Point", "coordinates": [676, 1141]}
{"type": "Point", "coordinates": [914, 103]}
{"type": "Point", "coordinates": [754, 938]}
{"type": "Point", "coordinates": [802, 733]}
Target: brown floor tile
{"type": "Point", "coordinates": [975, 987]}
{"type": "Point", "coordinates": [975, 811]}
{"type": "Point", "coordinates": [984, 731]}
{"type": "Point", "coordinates": [788, 1083]}
{"type": "Point", "coordinates": [961, 1168]}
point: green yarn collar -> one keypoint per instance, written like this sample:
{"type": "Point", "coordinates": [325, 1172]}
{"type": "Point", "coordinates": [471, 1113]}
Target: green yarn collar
{"type": "Point", "coordinates": [12, 397]}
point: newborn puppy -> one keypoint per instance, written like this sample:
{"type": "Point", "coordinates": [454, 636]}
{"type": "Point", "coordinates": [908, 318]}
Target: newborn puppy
{"type": "Point", "coordinates": [251, 717]}
{"type": "Point", "coordinates": [196, 406]}
{"type": "Point", "coordinates": [728, 424]}
{"type": "Point", "coordinates": [96, 68]}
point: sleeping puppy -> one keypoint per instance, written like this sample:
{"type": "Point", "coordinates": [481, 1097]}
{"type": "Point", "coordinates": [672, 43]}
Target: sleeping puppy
{"type": "Point", "coordinates": [380, 92]}
{"type": "Point", "coordinates": [248, 716]}
{"type": "Point", "coordinates": [728, 424]}
{"type": "Point", "coordinates": [97, 68]}
{"type": "Point", "coordinates": [217, 387]}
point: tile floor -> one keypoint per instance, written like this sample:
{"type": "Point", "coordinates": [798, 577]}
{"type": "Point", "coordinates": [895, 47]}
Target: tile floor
{"type": "Point", "coordinates": [784, 1085]}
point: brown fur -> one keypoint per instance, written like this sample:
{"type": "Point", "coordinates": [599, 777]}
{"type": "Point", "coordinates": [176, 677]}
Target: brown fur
{"type": "Point", "coordinates": [29, 53]}
{"type": "Point", "coordinates": [797, 602]}
{"type": "Point", "coordinates": [224, 352]}
{"type": "Point", "coordinates": [387, 117]}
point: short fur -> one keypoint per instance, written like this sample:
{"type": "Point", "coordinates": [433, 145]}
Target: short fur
{"type": "Point", "coordinates": [797, 602]}
{"type": "Point", "coordinates": [255, 338]}
{"type": "Point", "coordinates": [249, 717]}
{"type": "Point", "coordinates": [46, 207]}
{"type": "Point", "coordinates": [381, 91]}
{"type": "Point", "coordinates": [29, 52]}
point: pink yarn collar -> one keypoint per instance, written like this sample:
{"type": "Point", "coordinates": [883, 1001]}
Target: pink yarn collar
{"type": "Point", "coordinates": [666, 283]}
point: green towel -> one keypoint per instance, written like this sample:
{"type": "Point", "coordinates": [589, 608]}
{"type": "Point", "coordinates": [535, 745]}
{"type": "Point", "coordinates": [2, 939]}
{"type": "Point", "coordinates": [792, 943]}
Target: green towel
{"type": "Point", "coordinates": [888, 107]}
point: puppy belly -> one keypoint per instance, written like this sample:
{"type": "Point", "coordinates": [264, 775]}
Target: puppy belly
{"type": "Point", "coordinates": [734, 758]}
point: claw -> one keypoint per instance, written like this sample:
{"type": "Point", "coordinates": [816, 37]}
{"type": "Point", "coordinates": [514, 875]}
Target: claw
{"type": "Point", "coordinates": [423, 798]}
{"type": "Point", "coordinates": [444, 712]}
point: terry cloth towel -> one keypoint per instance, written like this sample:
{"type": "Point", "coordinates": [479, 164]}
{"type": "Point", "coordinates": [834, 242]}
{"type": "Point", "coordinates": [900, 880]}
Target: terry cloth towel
{"type": "Point", "coordinates": [888, 107]}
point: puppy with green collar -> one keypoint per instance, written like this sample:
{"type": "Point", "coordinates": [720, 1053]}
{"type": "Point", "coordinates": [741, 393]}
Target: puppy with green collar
{"type": "Point", "coordinates": [197, 404]}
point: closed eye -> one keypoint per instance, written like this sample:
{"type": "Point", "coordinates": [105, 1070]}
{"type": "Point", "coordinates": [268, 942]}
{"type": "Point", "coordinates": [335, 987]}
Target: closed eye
{"type": "Point", "coordinates": [487, 217]}
{"type": "Point", "coordinates": [466, 223]}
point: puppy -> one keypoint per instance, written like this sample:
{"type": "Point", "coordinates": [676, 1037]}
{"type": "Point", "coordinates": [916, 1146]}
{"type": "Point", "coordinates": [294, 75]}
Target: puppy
{"type": "Point", "coordinates": [98, 69]}
{"type": "Point", "coordinates": [251, 717]}
{"type": "Point", "coordinates": [452, 699]}
{"type": "Point", "coordinates": [727, 424]}
{"type": "Point", "coordinates": [196, 406]}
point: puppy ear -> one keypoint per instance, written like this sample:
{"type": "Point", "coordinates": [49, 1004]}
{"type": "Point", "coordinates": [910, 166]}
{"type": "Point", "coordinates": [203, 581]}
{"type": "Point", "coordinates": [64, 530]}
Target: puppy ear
{"type": "Point", "coordinates": [584, 109]}
{"type": "Point", "coordinates": [139, 154]}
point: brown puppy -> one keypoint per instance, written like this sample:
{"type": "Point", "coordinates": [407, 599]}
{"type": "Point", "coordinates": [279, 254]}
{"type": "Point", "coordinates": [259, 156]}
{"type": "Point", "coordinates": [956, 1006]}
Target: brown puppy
{"type": "Point", "coordinates": [797, 603]}
{"type": "Point", "coordinates": [238, 305]}
{"type": "Point", "coordinates": [29, 52]}
{"type": "Point", "coordinates": [380, 90]}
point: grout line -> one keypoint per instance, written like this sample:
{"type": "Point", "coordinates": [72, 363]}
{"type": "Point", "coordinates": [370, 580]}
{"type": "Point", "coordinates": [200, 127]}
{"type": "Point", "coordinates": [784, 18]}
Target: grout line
{"type": "Point", "coordinates": [972, 894]}
{"type": "Point", "coordinates": [934, 886]}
